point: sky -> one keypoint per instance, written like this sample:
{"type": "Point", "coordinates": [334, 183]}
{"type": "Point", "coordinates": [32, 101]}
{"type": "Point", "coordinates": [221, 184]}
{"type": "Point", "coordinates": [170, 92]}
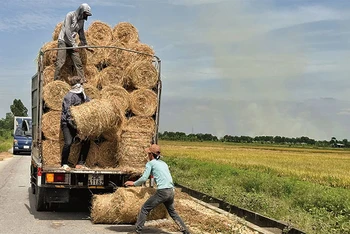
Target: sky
{"type": "Point", "coordinates": [229, 67]}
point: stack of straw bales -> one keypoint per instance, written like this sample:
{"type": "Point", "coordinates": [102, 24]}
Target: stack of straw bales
{"type": "Point", "coordinates": [119, 120]}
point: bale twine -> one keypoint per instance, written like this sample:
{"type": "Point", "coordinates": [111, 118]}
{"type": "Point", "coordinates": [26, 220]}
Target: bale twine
{"type": "Point", "coordinates": [51, 152]}
{"type": "Point", "coordinates": [140, 124]}
{"type": "Point", "coordinates": [142, 75]}
{"type": "Point", "coordinates": [51, 125]}
{"type": "Point", "coordinates": [57, 31]}
{"type": "Point", "coordinates": [111, 76]}
{"type": "Point", "coordinates": [94, 117]}
{"type": "Point", "coordinates": [99, 33]}
{"type": "Point", "coordinates": [123, 206]}
{"type": "Point", "coordinates": [143, 102]}
{"type": "Point", "coordinates": [91, 91]}
{"type": "Point", "coordinates": [53, 94]}
{"type": "Point", "coordinates": [91, 73]}
{"type": "Point", "coordinates": [50, 56]}
{"type": "Point", "coordinates": [131, 150]}
{"type": "Point", "coordinates": [117, 95]}
{"type": "Point", "coordinates": [125, 32]}
{"type": "Point", "coordinates": [103, 155]}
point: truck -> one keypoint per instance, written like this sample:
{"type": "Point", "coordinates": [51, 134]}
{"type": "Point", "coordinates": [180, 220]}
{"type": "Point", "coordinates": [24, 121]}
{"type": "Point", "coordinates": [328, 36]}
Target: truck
{"type": "Point", "coordinates": [22, 134]}
{"type": "Point", "coordinates": [54, 186]}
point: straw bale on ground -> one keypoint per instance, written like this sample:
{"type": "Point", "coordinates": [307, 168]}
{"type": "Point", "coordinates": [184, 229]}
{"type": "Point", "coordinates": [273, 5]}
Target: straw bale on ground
{"type": "Point", "coordinates": [99, 33]}
{"type": "Point", "coordinates": [111, 76]}
{"type": "Point", "coordinates": [53, 94]}
{"type": "Point", "coordinates": [140, 124]}
{"type": "Point", "coordinates": [125, 32]}
{"type": "Point", "coordinates": [51, 151]}
{"type": "Point", "coordinates": [91, 91]}
{"type": "Point", "coordinates": [142, 75]}
{"type": "Point", "coordinates": [51, 125]}
{"type": "Point", "coordinates": [123, 206]}
{"type": "Point", "coordinates": [57, 31]}
{"type": "Point", "coordinates": [94, 117]}
{"type": "Point", "coordinates": [103, 155]}
{"type": "Point", "coordinates": [131, 150]}
{"type": "Point", "coordinates": [143, 102]}
{"type": "Point", "coordinates": [117, 95]}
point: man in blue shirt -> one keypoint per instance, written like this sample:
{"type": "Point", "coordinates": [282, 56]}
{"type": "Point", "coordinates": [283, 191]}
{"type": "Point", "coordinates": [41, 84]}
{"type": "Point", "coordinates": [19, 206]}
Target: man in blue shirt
{"type": "Point", "coordinates": [165, 189]}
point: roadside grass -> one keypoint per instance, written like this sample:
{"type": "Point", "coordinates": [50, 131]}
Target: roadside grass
{"type": "Point", "coordinates": [315, 205]}
{"type": "Point", "coordinates": [5, 144]}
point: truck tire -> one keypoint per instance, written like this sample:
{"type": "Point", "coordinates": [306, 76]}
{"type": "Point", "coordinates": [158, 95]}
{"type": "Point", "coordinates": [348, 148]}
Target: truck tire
{"type": "Point", "coordinates": [40, 204]}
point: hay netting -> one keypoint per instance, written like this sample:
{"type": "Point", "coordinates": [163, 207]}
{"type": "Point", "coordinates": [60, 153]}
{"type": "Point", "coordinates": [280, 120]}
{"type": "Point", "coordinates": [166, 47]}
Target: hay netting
{"type": "Point", "coordinates": [131, 150]}
{"type": "Point", "coordinates": [49, 72]}
{"type": "Point", "coordinates": [53, 94]}
{"type": "Point", "coordinates": [51, 151]}
{"type": "Point", "coordinates": [140, 124]}
{"type": "Point", "coordinates": [94, 117]}
{"type": "Point", "coordinates": [117, 95]}
{"type": "Point", "coordinates": [51, 126]}
{"type": "Point", "coordinates": [91, 91]}
{"type": "Point", "coordinates": [102, 155]}
{"type": "Point", "coordinates": [143, 102]}
{"type": "Point", "coordinates": [125, 32]}
{"type": "Point", "coordinates": [142, 75]}
{"type": "Point", "coordinates": [111, 76]}
{"type": "Point", "coordinates": [99, 33]}
{"type": "Point", "coordinates": [123, 206]}
{"type": "Point", "coordinates": [57, 31]}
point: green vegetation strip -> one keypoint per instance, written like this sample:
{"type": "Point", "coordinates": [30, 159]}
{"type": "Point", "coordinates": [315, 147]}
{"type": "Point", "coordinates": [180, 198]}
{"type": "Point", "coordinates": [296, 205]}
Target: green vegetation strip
{"type": "Point", "coordinates": [308, 206]}
{"type": "Point", "coordinates": [5, 144]}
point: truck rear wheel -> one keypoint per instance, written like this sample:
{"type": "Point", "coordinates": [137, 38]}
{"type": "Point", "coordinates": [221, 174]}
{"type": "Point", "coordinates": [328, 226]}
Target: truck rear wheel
{"type": "Point", "coordinates": [40, 204]}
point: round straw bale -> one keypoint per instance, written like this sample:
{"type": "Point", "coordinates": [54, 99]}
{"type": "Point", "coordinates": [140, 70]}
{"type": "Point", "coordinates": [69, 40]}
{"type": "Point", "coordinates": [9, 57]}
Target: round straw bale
{"type": "Point", "coordinates": [51, 125]}
{"type": "Point", "coordinates": [53, 94]}
{"type": "Point", "coordinates": [111, 76]}
{"type": "Point", "coordinates": [123, 206]}
{"type": "Point", "coordinates": [91, 73]}
{"type": "Point", "coordinates": [114, 133]}
{"type": "Point", "coordinates": [131, 149]}
{"type": "Point", "coordinates": [91, 91]}
{"type": "Point", "coordinates": [93, 155]}
{"type": "Point", "coordinates": [140, 124]}
{"type": "Point", "coordinates": [107, 154]}
{"type": "Point", "coordinates": [94, 117]}
{"type": "Point", "coordinates": [57, 31]}
{"type": "Point", "coordinates": [50, 56]}
{"type": "Point", "coordinates": [113, 54]}
{"type": "Point", "coordinates": [143, 102]}
{"type": "Point", "coordinates": [49, 72]}
{"type": "Point", "coordinates": [125, 32]}
{"type": "Point", "coordinates": [99, 33]}
{"type": "Point", "coordinates": [142, 75]}
{"type": "Point", "coordinates": [51, 152]}
{"type": "Point", "coordinates": [143, 48]}
{"type": "Point", "coordinates": [117, 95]}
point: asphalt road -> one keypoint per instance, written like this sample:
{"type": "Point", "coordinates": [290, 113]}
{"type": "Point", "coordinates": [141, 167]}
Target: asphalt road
{"type": "Point", "coordinates": [18, 215]}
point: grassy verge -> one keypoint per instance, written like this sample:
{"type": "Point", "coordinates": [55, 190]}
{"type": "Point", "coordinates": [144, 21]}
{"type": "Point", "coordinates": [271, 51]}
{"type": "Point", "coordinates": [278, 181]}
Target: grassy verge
{"type": "Point", "coordinates": [311, 206]}
{"type": "Point", "coordinates": [5, 144]}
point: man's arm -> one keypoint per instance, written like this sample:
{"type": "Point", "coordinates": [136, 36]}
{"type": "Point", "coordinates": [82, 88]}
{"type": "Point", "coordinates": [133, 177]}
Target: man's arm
{"type": "Point", "coordinates": [143, 178]}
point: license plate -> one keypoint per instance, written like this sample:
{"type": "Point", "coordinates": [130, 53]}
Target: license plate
{"type": "Point", "coordinates": [26, 147]}
{"type": "Point", "coordinates": [95, 179]}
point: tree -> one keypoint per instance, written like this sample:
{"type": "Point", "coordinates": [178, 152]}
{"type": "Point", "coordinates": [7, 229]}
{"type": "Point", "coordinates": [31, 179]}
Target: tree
{"type": "Point", "coordinates": [18, 109]}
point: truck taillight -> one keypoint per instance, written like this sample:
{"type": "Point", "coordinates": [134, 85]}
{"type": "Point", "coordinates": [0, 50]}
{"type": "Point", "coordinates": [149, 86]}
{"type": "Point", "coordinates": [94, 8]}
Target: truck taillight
{"type": "Point", "coordinates": [55, 177]}
{"type": "Point", "coordinates": [39, 171]}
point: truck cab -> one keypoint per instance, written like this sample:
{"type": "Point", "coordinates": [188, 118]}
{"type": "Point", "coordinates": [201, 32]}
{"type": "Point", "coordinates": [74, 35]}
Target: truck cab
{"type": "Point", "coordinates": [22, 135]}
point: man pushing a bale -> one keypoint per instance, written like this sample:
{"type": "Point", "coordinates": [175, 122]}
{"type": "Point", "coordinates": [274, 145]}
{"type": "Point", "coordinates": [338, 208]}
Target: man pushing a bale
{"type": "Point", "coordinates": [76, 96]}
{"type": "Point", "coordinates": [165, 189]}
{"type": "Point", "coordinates": [73, 24]}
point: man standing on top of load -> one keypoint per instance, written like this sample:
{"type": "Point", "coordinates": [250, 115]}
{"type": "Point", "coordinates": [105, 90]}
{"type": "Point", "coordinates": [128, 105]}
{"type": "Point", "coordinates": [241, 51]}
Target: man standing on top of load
{"type": "Point", "coordinates": [73, 24]}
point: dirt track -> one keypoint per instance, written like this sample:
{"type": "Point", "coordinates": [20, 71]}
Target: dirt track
{"type": "Point", "coordinates": [4, 155]}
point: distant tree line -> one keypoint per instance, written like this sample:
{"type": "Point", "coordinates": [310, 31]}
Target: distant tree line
{"type": "Point", "coordinates": [181, 136]}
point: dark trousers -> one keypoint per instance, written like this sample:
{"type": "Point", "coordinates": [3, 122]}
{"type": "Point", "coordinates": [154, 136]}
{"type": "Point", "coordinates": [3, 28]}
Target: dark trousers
{"type": "Point", "coordinates": [68, 134]}
{"type": "Point", "coordinates": [165, 196]}
{"type": "Point", "coordinates": [61, 59]}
